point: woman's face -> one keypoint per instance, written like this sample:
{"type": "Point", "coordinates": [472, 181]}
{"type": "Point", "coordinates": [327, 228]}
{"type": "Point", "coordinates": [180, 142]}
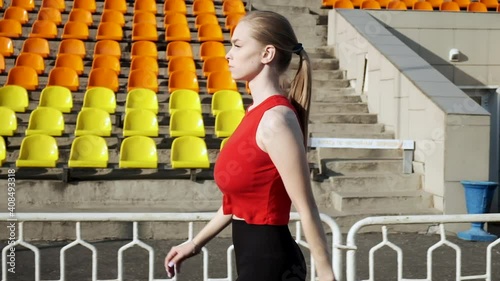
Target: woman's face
{"type": "Point", "coordinates": [245, 54]}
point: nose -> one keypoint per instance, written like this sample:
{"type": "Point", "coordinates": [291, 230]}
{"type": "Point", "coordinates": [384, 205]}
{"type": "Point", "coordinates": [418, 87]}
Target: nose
{"type": "Point", "coordinates": [228, 54]}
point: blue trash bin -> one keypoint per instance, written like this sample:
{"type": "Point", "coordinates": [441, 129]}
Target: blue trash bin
{"type": "Point", "coordinates": [478, 197]}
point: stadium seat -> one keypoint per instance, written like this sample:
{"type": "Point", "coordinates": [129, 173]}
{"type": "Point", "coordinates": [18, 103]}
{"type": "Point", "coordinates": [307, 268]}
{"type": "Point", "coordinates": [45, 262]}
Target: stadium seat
{"type": "Point", "coordinates": [104, 61]}
{"type": "Point", "coordinates": [371, 4]}
{"type": "Point", "coordinates": [179, 49]}
{"type": "Point", "coordinates": [144, 48]}
{"type": "Point", "coordinates": [28, 5]}
{"type": "Point", "coordinates": [45, 120]}
{"type": "Point", "coordinates": [145, 5]}
{"type": "Point", "coordinates": [232, 20]}
{"type": "Point", "coordinates": [16, 13]}
{"type": "Point", "coordinates": [186, 122]}
{"type": "Point", "coordinates": [8, 121]}
{"type": "Point", "coordinates": [227, 121]}
{"type": "Point", "coordinates": [113, 16]}
{"type": "Point", "coordinates": [144, 17]}
{"type": "Point", "coordinates": [233, 7]}
{"type": "Point", "coordinates": [72, 46]}
{"type": "Point", "coordinates": [3, 151]}
{"type": "Point", "coordinates": [10, 28]}
{"type": "Point", "coordinates": [138, 152]}
{"type": "Point", "coordinates": [409, 3]}
{"type": "Point", "coordinates": [177, 32]}
{"type": "Point", "coordinates": [65, 77]}
{"type": "Point", "coordinates": [6, 47]}
{"type": "Point", "coordinates": [450, 6]}
{"type": "Point", "coordinates": [103, 77]}
{"type": "Point", "coordinates": [52, 14]}
{"type": "Point", "coordinates": [477, 7]}
{"type": "Point", "coordinates": [148, 63]}
{"type": "Point", "coordinates": [81, 15]}
{"type": "Point", "coordinates": [85, 4]}
{"type": "Point", "coordinates": [189, 152]}
{"type": "Point", "coordinates": [226, 100]}
{"type": "Point", "coordinates": [328, 3]}
{"type": "Point", "coordinates": [203, 7]}
{"type": "Point", "coordinates": [463, 4]}
{"type": "Point", "coordinates": [220, 80]}
{"type": "Point", "coordinates": [43, 29]}
{"type": "Point", "coordinates": [109, 31]}
{"type": "Point", "coordinates": [57, 97]}
{"type": "Point", "coordinates": [2, 63]}
{"type": "Point", "coordinates": [383, 3]}
{"type": "Point", "coordinates": [38, 151]}
{"type": "Point", "coordinates": [213, 64]}
{"type": "Point", "coordinates": [142, 78]}
{"type": "Point", "coordinates": [397, 5]}
{"type": "Point", "coordinates": [183, 80]}
{"type": "Point", "coordinates": [144, 32]}
{"type": "Point", "coordinates": [212, 49]}
{"type": "Point", "coordinates": [204, 19]}
{"type": "Point", "coordinates": [32, 60]}
{"type": "Point", "coordinates": [23, 76]}
{"type": "Point", "coordinates": [59, 5]}
{"type": "Point", "coordinates": [75, 30]}
{"type": "Point", "coordinates": [181, 63]}
{"type": "Point", "coordinates": [141, 99]}
{"type": "Point", "coordinates": [100, 97]}
{"type": "Point", "coordinates": [107, 48]}
{"type": "Point", "coordinates": [174, 6]}
{"type": "Point", "coordinates": [14, 97]}
{"type": "Point", "coordinates": [490, 4]}
{"type": "Point", "coordinates": [343, 4]}
{"type": "Point", "coordinates": [72, 61]}
{"type": "Point", "coordinates": [210, 32]}
{"type": "Point", "coordinates": [422, 5]}
{"type": "Point", "coordinates": [223, 143]}
{"type": "Point", "coordinates": [435, 4]}
{"type": "Point", "coordinates": [88, 152]}
{"type": "Point", "coordinates": [174, 18]}
{"type": "Point", "coordinates": [356, 3]}
{"type": "Point", "coordinates": [140, 122]}
{"type": "Point", "coordinates": [93, 121]}
{"type": "Point", "coordinates": [117, 5]}
{"type": "Point", "coordinates": [184, 99]}
{"type": "Point", "coordinates": [498, 8]}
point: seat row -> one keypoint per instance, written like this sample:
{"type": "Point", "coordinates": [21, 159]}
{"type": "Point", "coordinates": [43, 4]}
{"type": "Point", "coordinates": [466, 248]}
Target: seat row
{"type": "Point", "coordinates": [427, 5]}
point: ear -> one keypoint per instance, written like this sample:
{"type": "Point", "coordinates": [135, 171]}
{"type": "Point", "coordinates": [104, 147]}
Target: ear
{"type": "Point", "coordinates": [268, 55]}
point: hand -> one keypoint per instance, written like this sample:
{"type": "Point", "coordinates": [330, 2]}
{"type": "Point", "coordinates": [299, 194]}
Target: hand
{"type": "Point", "coordinates": [177, 255]}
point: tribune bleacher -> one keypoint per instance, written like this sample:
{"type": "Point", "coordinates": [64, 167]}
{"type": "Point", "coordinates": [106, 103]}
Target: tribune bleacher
{"type": "Point", "coordinates": [425, 5]}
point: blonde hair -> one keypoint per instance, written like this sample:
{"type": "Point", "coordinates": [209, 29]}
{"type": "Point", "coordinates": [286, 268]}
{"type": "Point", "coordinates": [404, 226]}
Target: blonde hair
{"type": "Point", "coordinates": [271, 28]}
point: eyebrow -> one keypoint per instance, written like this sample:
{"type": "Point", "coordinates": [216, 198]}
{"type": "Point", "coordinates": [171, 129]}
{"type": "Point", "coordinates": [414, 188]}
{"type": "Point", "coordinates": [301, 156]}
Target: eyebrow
{"type": "Point", "coordinates": [235, 40]}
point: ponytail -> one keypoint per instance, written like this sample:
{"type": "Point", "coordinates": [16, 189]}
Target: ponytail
{"type": "Point", "coordinates": [300, 92]}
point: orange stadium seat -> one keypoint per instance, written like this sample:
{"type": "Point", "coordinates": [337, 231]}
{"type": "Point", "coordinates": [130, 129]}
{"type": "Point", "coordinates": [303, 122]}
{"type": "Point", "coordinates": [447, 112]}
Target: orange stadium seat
{"type": "Point", "coordinates": [203, 7]}
{"type": "Point", "coordinates": [186, 122]}
{"type": "Point", "coordinates": [422, 5]}
{"type": "Point", "coordinates": [370, 4]}
{"type": "Point", "coordinates": [138, 152]}
{"type": "Point", "coordinates": [6, 47]}
{"type": "Point", "coordinates": [449, 6]}
{"type": "Point", "coordinates": [104, 61]}
{"type": "Point", "coordinates": [144, 48]}
{"type": "Point", "coordinates": [51, 14]}
{"type": "Point", "coordinates": [490, 4]}
{"type": "Point", "coordinates": [107, 48]}
{"type": "Point", "coordinates": [356, 3]}
{"type": "Point", "coordinates": [328, 3]}
{"type": "Point", "coordinates": [397, 5]}
{"type": "Point", "coordinates": [184, 99]}
{"type": "Point", "coordinates": [144, 31]}
{"type": "Point", "coordinates": [72, 46]}
{"type": "Point", "coordinates": [93, 121]}
{"type": "Point", "coordinates": [204, 19]}
{"type": "Point", "coordinates": [28, 5]}
{"type": "Point", "coordinates": [147, 63]}
{"type": "Point", "coordinates": [343, 4]}
{"type": "Point", "coordinates": [65, 77]}
{"type": "Point", "coordinates": [8, 121]}
{"type": "Point", "coordinates": [2, 64]}
{"type": "Point", "coordinates": [436, 4]}
{"type": "Point", "coordinates": [178, 32]}
{"type": "Point", "coordinates": [44, 29]}
{"type": "Point", "coordinates": [144, 17]}
{"type": "Point", "coordinates": [10, 28]}
{"type": "Point", "coordinates": [174, 6]}
{"type": "Point", "coordinates": [59, 5]}
{"type": "Point", "coordinates": [81, 15]}
{"type": "Point", "coordinates": [210, 32]}
{"type": "Point", "coordinates": [16, 13]}
{"type": "Point", "coordinates": [183, 80]}
{"type": "Point", "coordinates": [213, 64]}
{"type": "Point", "coordinates": [181, 63]}
{"type": "Point", "coordinates": [212, 49]}
{"type": "Point", "coordinates": [88, 152]}
{"type": "Point", "coordinates": [220, 80]}
{"type": "Point", "coordinates": [145, 5]}
{"type": "Point", "coordinates": [113, 16]}
{"type": "Point", "coordinates": [75, 30]}
{"type": "Point", "coordinates": [174, 18]}
{"type": "Point", "coordinates": [57, 97]}
{"type": "Point", "coordinates": [179, 49]}
{"type": "Point", "coordinates": [142, 78]}
{"type": "Point", "coordinates": [103, 77]}
{"type": "Point", "coordinates": [85, 4]}
{"type": "Point", "coordinates": [232, 20]}
{"type": "Point", "coordinates": [498, 8]}
{"type": "Point", "coordinates": [477, 7]}
{"type": "Point", "coordinates": [45, 120]}
{"type": "Point", "coordinates": [140, 122]}
{"type": "Point", "coordinates": [38, 151]}
{"type": "Point", "coordinates": [32, 60]}
{"type": "Point", "coordinates": [189, 152]}
{"type": "Point", "coordinates": [100, 97]}
{"type": "Point", "coordinates": [233, 7]}
{"type": "Point", "coordinates": [109, 31]}
{"type": "Point", "coordinates": [14, 97]}
{"type": "Point", "coordinates": [383, 3]}
{"type": "Point", "coordinates": [23, 76]}
{"type": "Point", "coordinates": [37, 46]}
{"type": "Point", "coordinates": [118, 5]}
{"type": "Point", "coordinates": [72, 61]}
{"type": "Point", "coordinates": [142, 98]}
{"type": "Point", "coordinates": [226, 100]}
{"type": "Point", "coordinates": [463, 4]}
{"type": "Point", "coordinates": [409, 3]}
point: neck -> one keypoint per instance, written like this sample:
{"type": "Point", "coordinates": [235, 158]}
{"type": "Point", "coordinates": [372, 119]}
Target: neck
{"type": "Point", "coordinates": [264, 85]}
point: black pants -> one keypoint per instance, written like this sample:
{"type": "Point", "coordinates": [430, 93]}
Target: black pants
{"type": "Point", "coordinates": [267, 253]}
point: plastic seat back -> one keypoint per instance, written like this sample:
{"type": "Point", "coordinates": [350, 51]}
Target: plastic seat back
{"type": "Point", "coordinates": [23, 76]}
{"type": "Point", "coordinates": [117, 5]}
{"type": "Point", "coordinates": [227, 121]}
{"type": "Point", "coordinates": [145, 5]}
{"type": "Point", "coordinates": [210, 32]}
{"type": "Point", "coordinates": [72, 61]}
{"type": "Point", "coordinates": [16, 13]}
{"type": "Point", "coordinates": [109, 31]}
{"type": "Point", "coordinates": [140, 122]}
{"type": "Point", "coordinates": [45, 120]}
{"type": "Point", "coordinates": [141, 98]}
{"type": "Point", "coordinates": [343, 4]}
{"type": "Point", "coordinates": [138, 152]}
{"type": "Point", "coordinates": [107, 48]}
{"type": "Point", "coordinates": [144, 48]}
{"type": "Point", "coordinates": [81, 15]}
{"type": "Point", "coordinates": [32, 60]}
{"type": "Point", "coordinates": [113, 16]}
{"type": "Point", "coordinates": [93, 121]}
{"type": "Point", "coordinates": [490, 4]}
{"type": "Point", "coordinates": [189, 152]}
{"type": "Point", "coordinates": [75, 30]}
{"type": "Point", "coordinates": [49, 13]}
{"type": "Point", "coordinates": [397, 5]}
{"type": "Point", "coordinates": [8, 121]}
{"type": "Point", "coordinates": [177, 32]}
{"type": "Point", "coordinates": [44, 29]}
{"type": "Point", "coordinates": [203, 7]}
{"type": "Point", "coordinates": [423, 6]}
{"type": "Point", "coordinates": [38, 151]}
{"type": "Point", "coordinates": [3, 151]}
{"type": "Point", "coordinates": [174, 18]}
{"type": "Point", "coordinates": [28, 5]}
{"type": "Point", "coordinates": [226, 100]}
{"type": "Point", "coordinates": [6, 47]}
{"type": "Point", "coordinates": [477, 7]}
{"type": "Point", "coordinates": [232, 20]}
{"type": "Point", "coordinates": [88, 152]}
{"type": "Point", "coordinates": [37, 46]}
{"type": "Point", "coordinates": [212, 49]}
{"type": "Point", "coordinates": [371, 4]}
{"type": "Point", "coordinates": [147, 63]}
{"type": "Point", "coordinates": [179, 49]}
{"type": "Point", "coordinates": [72, 46]}
{"type": "Point", "coordinates": [220, 80]}
{"type": "Point", "coordinates": [213, 64]}
{"type": "Point", "coordinates": [463, 4]}
{"type": "Point", "coordinates": [100, 97]}
{"type": "Point", "coordinates": [2, 64]}
{"type": "Point", "coordinates": [174, 6]}
{"type": "Point", "coordinates": [57, 97]}
{"type": "Point", "coordinates": [10, 28]}
{"type": "Point", "coordinates": [89, 5]}
{"type": "Point", "coordinates": [144, 31]}
{"type": "Point", "coordinates": [181, 63]}
{"type": "Point", "coordinates": [186, 122]}
{"type": "Point", "coordinates": [436, 4]}
{"type": "Point", "coordinates": [14, 97]}
{"type": "Point", "coordinates": [111, 62]}
{"type": "Point", "coordinates": [58, 5]}
{"type": "Point", "coordinates": [65, 77]}
{"type": "Point", "coordinates": [230, 7]}
{"type": "Point", "coordinates": [183, 80]}
{"type": "Point", "coordinates": [223, 143]}
{"type": "Point", "coordinates": [142, 78]}
{"type": "Point", "coordinates": [205, 19]}
{"type": "Point", "coordinates": [144, 17]}
{"type": "Point", "coordinates": [184, 99]}
{"type": "Point", "coordinates": [103, 77]}
{"type": "Point", "coordinates": [450, 6]}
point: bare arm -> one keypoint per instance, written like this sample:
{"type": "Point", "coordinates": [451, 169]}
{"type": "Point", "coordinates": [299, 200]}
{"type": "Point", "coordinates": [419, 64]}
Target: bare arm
{"type": "Point", "coordinates": [280, 136]}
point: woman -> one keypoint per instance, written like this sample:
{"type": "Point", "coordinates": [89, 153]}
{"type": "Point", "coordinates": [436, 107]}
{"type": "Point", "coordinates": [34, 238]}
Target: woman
{"type": "Point", "coordinates": [263, 167]}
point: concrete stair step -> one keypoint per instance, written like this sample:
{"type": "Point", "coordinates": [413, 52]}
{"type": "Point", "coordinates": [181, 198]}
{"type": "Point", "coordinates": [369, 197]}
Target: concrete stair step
{"type": "Point", "coordinates": [358, 153]}
{"type": "Point", "coordinates": [281, 7]}
{"type": "Point", "coordinates": [317, 63]}
{"type": "Point", "coordinates": [346, 128]}
{"type": "Point", "coordinates": [328, 84]}
{"type": "Point", "coordinates": [339, 99]}
{"type": "Point", "coordinates": [330, 107]}
{"type": "Point", "coordinates": [320, 51]}
{"type": "Point", "coordinates": [325, 94]}
{"type": "Point", "coordinates": [377, 201]}
{"type": "Point", "coordinates": [360, 167]}
{"type": "Point", "coordinates": [327, 75]}
{"type": "Point", "coordinates": [352, 118]}
{"type": "Point", "coordinates": [383, 182]}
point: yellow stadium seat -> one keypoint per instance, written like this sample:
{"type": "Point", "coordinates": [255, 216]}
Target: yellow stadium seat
{"type": "Point", "coordinates": [212, 49]}
{"type": "Point", "coordinates": [141, 99]}
{"type": "Point", "coordinates": [233, 7]}
{"type": "Point", "coordinates": [52, 14]}
{"type": "Point", "coordinates": [23, 76]}
{"type": "Point", "coordinates": [3, 151]}
{"type": "Point", "coordinates": [113, 16]}
{"type": "Point", "coordinates": [227, 121]}
{"type": "Point", "coordinates": [118, 5]}
{"type": "Point", "coordinates": [177, 32]}
{"type": "Point", "coordinates": [104, 61]}
{"type": "Point", "coordinates": [186, 122]}
{"type": "Point", "coordinates": [142, 78]}
{"type": "Point", "coordinates": [6, 47]}
{"type": "Point", "coordinates": [205, 19]}
{"type": "Point", "coordinates": [477, 7]}
{"type": "Point", "coordinates": [10, 28]}
{"type": "Point", "coordinates": [28, 5]}
{"type": "Point", "coordinates": [138, 152]}
{"type": "Point", "coordinates": [213, 64]}
{"type": "Point", "coordinates": [147, 63]}
{"type": "Point", "coordinates": [144, 48]}
{"type": "Point", "coordinates": [144, 17]}
{"type": "Point", "coordinates": [100, 97]}
{"type": "Point", "coordinates": [226, 100]}
{"type": "Point", "coordinates": [223, 143]}
{"type": "Point", "coordinates": [144, 31]}
{"type": "Point", "coordinates": [8, 121]}
{"type": "Point", "coordinates": [174, 18]}
{"type": "Point", "coordinates": [44, 29]}
{"type": "Point", "coordinates": [220, 80]}
{"type": "Point", "coordinates": [140, 122]}
{"type": "Point", "coordinates": [423, 6]}
{"type": "Point", "coordinates": [463, 4]}
{"type": "Point", "coordinates": [38, 151]}
{"type": "Point", "coordinates": [103, 77]}
{"type": "Point", "coordinates": [107, 48]}
{"type": "Point", "coordinates": [59, 5]}
{"type": "Point", "coordinates": [181, 63]}
{"type": "Point", "coordinates": [210, 32]}
{"type": "Point", "coordinates": [37, 46]}
{"type": "Point", "coordinates": [32, 60]}
{"type": "Point", "coordinates": [16, 13]}
{"type": "Point", "coordinates": [183, 80]}
{"type": "Point", "coordinates": [109, 31]}
{"type": "Point", "coordinates": [14, 97]}
{"type": "Point", "coordinates": [450, 6]}
{"type": "Point", "coordinates": [203, 7]}
{"type": "Point", "coordinates": [45, 120]}
{"type": "Point", "coordinates": [397, 5]}
{"type": "Point", "coordinates": [72, 61]}
{"type": "Point", "coordinates": [343, 4]}
{"type": "Point", "coordinates": [72, 46]}
{"type": "Point", "coordinates": [57, 97]}
{"type": "Point", "coordinates": [184, 99]}
{"type": "Point", "coordinates": [371, 4]}
{"type": "Point", "coordinates": [88, 152]}
{"type": "Point", "coordinates": [145, 5]}
{"type": "Point", "coordinates": [65, 77]}
{"type": "Point", "coordinates": [75, 30]}
{"type": "Point", "coordinates": [174, 6]}
{"type": "Point", "coordinates": [89, 5]}
{"type": "Point", "coordinates": [179, 49]}
{"type": "Point", "coordinates": [81, 15]}
{"type": "Point", "coordinates": [189, 152]}
{"type": "Point", "coordinates": [232, 20]}
{"type": "Point", "coordinates": [93, 121]}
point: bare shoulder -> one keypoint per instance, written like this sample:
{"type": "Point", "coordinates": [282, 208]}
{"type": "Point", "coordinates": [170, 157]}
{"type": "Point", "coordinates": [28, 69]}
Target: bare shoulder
{"type": "Point", "coordinates": [278, 125]}
{"type": "Point", "coordinates": [278, 117]}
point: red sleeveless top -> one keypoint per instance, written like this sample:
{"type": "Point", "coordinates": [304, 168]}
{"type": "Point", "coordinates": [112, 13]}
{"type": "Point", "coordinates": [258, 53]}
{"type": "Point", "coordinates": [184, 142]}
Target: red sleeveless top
{"type": "Point", "coordinates": [251, 185]}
